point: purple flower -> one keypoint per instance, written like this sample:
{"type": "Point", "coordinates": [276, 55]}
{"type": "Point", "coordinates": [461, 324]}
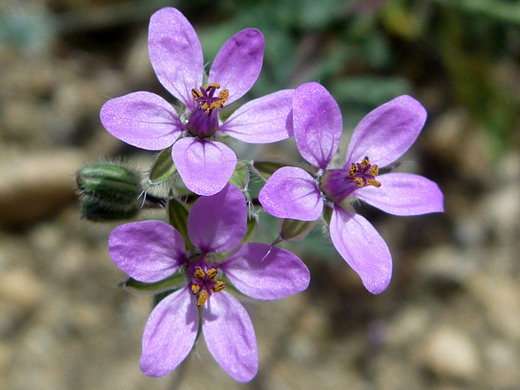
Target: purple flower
{"type": "Point", "coordinates": [383, 136]}
{"type": "Point", "coordinates": [147, 121]}
{"type": "Point", "coordinates": [150, 251]}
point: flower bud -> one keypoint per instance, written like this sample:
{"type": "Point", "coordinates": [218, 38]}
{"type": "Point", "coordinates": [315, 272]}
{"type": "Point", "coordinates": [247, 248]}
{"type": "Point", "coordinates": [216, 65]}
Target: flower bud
{"type": "Point", "coordinates": [294, 230]}
{"type": "Point", "coordinates": [109, 182]}
{"type": "Point", "coordinates": [110, 191]}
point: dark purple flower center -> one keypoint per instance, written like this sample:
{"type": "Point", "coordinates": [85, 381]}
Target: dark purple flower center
{"type": "Point", "coordinates": [337, 184]}
{"type": "Point", "coordinates": [204, 282]}
{"type": "Point", "coordinates": [204, 119]}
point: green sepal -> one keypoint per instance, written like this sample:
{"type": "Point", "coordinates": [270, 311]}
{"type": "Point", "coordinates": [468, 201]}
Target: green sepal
{"type": "Point", "coordinates": [99, 211]}
{"type": "Point", "coordinates": [140, 288]}
{"type": "Point", "coordinates": [163, 168]}
{"type": "Point", "coordinates": [240, 178]}
{"type": "Point", "coordinates": [110, 183]}
{"type": "Point", "coordinates": [157, 298]}
{"type": "Point", "coordinates": [178, 218]}
{"type": "Point", "coordinates": [327, 214]}
{"type": "Point", "coordinates": [266, 168]}
{"type": "Point", "coordinates": [294, 230]}
{"type": "Point", "coordinates": [252, 228]}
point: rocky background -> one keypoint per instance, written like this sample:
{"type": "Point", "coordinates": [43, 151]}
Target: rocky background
{"type": "Point", "coordinates": [451, 316]}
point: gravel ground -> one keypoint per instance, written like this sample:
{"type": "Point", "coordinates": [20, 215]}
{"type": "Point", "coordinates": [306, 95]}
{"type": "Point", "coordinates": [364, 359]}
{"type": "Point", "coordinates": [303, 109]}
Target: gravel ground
{"type": "Point", "coordinates": [449, 320]}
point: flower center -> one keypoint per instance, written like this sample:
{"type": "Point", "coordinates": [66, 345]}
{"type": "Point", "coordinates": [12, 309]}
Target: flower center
{"type": "Point", "coordinates": [204, 282]}
{"type": "Point", "coordinates": [337, 184]}
{"type": "Point", "coordinates": [207, 99]}
{"type": "Point", "coordinates": [364, 174]}
{"type": "Point", "coordinates": [204, 119]}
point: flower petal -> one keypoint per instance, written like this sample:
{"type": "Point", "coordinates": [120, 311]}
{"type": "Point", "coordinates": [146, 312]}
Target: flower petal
{"type": "Point", "coordinates": [230, 336]}
{"type": "Point", "coordinates": [291, 193]}
{"type": "Point", "coordinates": [142, 119]}
{"type": "Point", "coordinates": [363, 249]}
{"type": "Point", "coordinates": [147, 251]}
{"type": "Point", "coordinates": [175, 54]}
{"type": "Point", "coordinates": [264, 120]}
{"type": "Point", "coordinates": [238, 63]}
{"type": "Point", "coordinates": [387, 132]}
{"type": "Point", "coordinates": [218, 223]}
{"type": "Point", "coordinates": [403, 194]}
{"type": "Point", "coordinates": [169, 333]}
{"type": "Point", "coordinates": [204, 166]}
{"type": "Point", "coordinates": [266, 272]}
{"type": "Point", "coordinates": [317, 124]}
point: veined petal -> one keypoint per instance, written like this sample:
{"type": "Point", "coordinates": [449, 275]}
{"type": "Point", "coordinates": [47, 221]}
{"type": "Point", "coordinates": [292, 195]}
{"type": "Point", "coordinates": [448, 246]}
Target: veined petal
{"type": "Point", "coordinates": [403, 194]}
{"type": "Point", "coordinates": [317, 124]}
{"type": "Point", "coordinates": [362, 248]}
{"type": "Point", "coordinates": [238, 63]}
{"type": "Point", "coordinates": [230, 336]}
{"type": "Point", "coordinates": [292, 193]}
{"type": "Point", "coordinates": [175, 54]}
{"type": "Point", "coordinates": [142, 119]}
{"type": "Point", "coordinates": [264, 120]}
{"type": "Point", "coordinates": [266, 272]}
{"type": "Point", "coordinates": [387, 132]}
{"type": "Point", "coordinates": [169, 333]}
{"type": "Point", "coordinates": [218, 223]}
{"type": "Point", "coordinates": [204, 166]}
{"type": "Point", "coordinates": [147, 251]}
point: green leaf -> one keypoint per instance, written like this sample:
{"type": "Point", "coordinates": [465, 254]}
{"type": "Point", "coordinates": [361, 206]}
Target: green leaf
{"type": "Point", "coordinates": [178, 218]}
{"type": "Point", "coordinates": [163, 168]}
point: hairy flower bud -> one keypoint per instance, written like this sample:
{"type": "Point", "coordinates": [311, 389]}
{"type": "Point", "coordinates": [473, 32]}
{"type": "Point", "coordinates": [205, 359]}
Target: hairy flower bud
{"type": "Point", "coordinates": [110, 191]}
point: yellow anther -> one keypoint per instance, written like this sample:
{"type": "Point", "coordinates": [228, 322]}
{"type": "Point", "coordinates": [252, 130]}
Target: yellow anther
{"type": "Point", "coordinates": [365, 162]}
{"type": "Point", "coordinates": [373, 182]}
{"type": "Point", "coordinates": [196, 93]}
{"type": "Point", "coordinates": [223, 95]}
{"type": "Point", "coordinates": [212, 274]}
{"type": "Point", "coordinates": [359, 182]}
{"type": "Point", "coordinates": [203, 298]}
{"type": "Point", "coordinates": [219, 286]}
{"type": "Point", "coordinates": [199, 273]}
{"type": "Point", "coordinates": [353, 170]}
{"type": "Point", "coordinates": [374, 170]}
{"type": "Point", "coordinates": [195, 288]}
{"type": "Point", "coordinates": [215, 85]}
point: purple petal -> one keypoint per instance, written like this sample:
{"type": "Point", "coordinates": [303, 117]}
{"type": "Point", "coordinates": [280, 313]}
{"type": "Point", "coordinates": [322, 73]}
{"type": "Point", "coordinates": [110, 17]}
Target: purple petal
{"type": "Point", "coordinates": [363, 249]}
{"type": "Point", "coordinates": [263, 120]}
{"type": "Point", "coordinates": [204, 166]}
{"type": "Point", "coordinates": [387, 132]}
{"type": "Point", "coordinates": [169, 333]}
{"type": "Point", "coordinates": [230, 336]}
{"type": "Point", "coordinates": [262, 271]}
{"type": "Point", "coordinates": [238, 63]}
{"type": "Point", "coordinates": [317, 124]}
{"type": "Point", "coordinates": [218, 223]}
{"type": "Point", "coordinates": [175, 54]}
{"type": "Point", "coordinates": [404, 194]}
{"type": "Point", "coordinates": [147, 251]}
{"type": "Point", "coordinates": [292, 193]}
{"type": "Point", "coordinates": [142, 119]}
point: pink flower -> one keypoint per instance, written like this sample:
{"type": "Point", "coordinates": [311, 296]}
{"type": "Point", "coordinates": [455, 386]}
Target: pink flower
{"type": "Point", "coordinates": [147, 121]}
{"type": "Point", "coordinates": [383, 136]}
{"type": "Point", "coordinates": [150, 251]}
